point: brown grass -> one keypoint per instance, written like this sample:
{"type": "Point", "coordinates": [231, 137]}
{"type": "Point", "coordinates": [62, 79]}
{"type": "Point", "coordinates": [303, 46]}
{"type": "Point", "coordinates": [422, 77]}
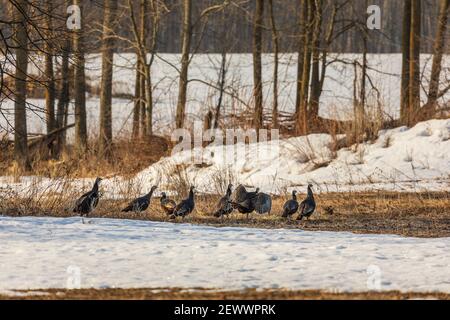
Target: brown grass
{"type": "Point", "coordinates": [406, 214]}
{"type": "Point", "coordinates": [127, 157]}
{"type": "Point", "coordinates": [208, 294]}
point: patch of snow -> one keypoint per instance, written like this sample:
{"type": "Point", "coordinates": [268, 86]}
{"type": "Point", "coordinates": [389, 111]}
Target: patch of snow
{"type": "Point", "coordinates": [39, 253]}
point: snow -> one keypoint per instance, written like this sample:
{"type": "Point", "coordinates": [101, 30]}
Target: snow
{"type": "Point", "coordinates": [415, 159]}
{"type": "Point", "coordinates": [37, 252]}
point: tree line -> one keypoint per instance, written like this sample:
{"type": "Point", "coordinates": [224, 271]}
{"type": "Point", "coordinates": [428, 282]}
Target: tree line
{"type": "Point", "coordinates": [311, 28]}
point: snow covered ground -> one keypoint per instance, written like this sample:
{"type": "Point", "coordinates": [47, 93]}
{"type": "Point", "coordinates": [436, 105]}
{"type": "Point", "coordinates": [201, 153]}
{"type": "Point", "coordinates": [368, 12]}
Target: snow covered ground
{"type": "Point", "coordinates": [402, 159]}
{"type": "Point", "coordinates": [63, 252]}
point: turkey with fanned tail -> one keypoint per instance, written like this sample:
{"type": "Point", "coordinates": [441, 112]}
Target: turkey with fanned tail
{"type": "Point", "coordinates": [263, 203]}
{"type": "Point", "coordinates": [244, 201]}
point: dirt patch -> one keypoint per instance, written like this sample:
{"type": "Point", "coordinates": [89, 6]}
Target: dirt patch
{"type": "Point", "coordinates": [205, 294]}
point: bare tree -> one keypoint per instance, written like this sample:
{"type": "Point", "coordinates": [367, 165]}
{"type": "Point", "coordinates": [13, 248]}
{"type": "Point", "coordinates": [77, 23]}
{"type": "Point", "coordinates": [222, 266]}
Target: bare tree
{"type": "Point", "coordinates": [49, 73]}
{"type": "Point", "coordinates": [20, 13]}
{"type": "Point", "coordinates": [257, 64]}
{"type": "Point", "coordinates": [186, 45]}
{"type": "Point", "coordinates": [433, 92]}
{"type": "Point", "coordinates": [64, 97]}
{"type": "Point", "coordinates": [404, 94]}
{"type": "Point", "coordinates": [275, 42]}
{"type": "Point", "coordinates": [313, 114]}
{"type": "Point", "coordinates": [414, 66]}
{"type": "Point", "coordinates": [141, 37]}
{"type": "Point", "coordinates": [79, 86]}
{"type": "Point", "coordinates": [303, 16]}
{"type": "Point", "coordinates": [137, 98]}
{"type": "Point", "coordinates": [302, 116]}
{"type": "Point", "coordinates": [109, 16]}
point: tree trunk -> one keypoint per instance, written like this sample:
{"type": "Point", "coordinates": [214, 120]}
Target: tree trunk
{"type": "Point", "coordinates": [149, 98]}
{"type": "Point", "coordinates": [313, 113]}
{"type": "Point", "coordinates": [302, 124]}
{"type": "Point", "coordinates": [148, 76]}
{"type": "Point", "coordinates": [143, 101]}
{"type": "Point", "coordinates": [301, 55]}
{"type": "Point", "coordinates": [414, 66]}
{"type": "Point", "coordinates": [79, 87]}
{"type": "Point", "coordinates": [109, 16]}
{"type": "Point", "coordinates": [439, 44]}
{"type": "Point", "coordinates": [186, 44]}
{"type": "Point", "coordinates": [275, 123]}
{"type": "Point", "coordinates": [224, 36]}
{"type": "Point", "coordinates": [20, 120]}
{"type": "Point", "coordinates": [64, 97]}
{"type": "Point", "coordinates": [361, 105]}
{"type": "Point", "coordinates": [404, 94]}
{"type": "Point", "coordinates": [257, 64]}
{"type": "Point", "coordinates": [49, 74]}
{"type": "Point", "coordinates": [221, 83]}
{"type": "Point", "coordinates": [143, 56]}
{"type": "Point", "coordinates": [137, 98]}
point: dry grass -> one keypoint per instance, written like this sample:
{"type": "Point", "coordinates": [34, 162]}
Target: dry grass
{"type": "Point", "coordinates": [127, 157]}
{"type": "Point", "coordinates": [407, 214]}
{"type": "Point", "coordinates": [208, 294]}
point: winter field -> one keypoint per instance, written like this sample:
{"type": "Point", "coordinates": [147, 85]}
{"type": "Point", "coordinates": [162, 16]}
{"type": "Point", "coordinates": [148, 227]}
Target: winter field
{"type": "Point", "coordinates": [114, 250]}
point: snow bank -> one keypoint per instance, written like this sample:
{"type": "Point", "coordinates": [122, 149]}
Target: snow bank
{"type": "Point", "coordinates": [63, 252]}
{"type": "Point", "coordinates": [402, 159]}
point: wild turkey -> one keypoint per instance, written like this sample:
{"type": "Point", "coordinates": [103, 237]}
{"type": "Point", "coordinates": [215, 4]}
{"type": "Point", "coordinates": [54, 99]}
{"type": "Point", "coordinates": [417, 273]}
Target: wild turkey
{"type": "Point", "coordinates": [186, 206]}
{"type": "Point", "coordinates": [308, 205]}
{"type": "Point", "coordinates": [168, 205]}
{"type": "Point", "coordinates": [290, 207]}
{"type": "Point", "coordinates": [240, 194]}
{"type": "Point", "coordinates": [88, 201]}
{"type": "Point", "coordinates": [140, 204]}
{"type": "Point", "coordinates": [263, 203]}
{"type": "Point", "coordinates": [244, 201]}
{"type": "Point", "coordinates": [224, 206]}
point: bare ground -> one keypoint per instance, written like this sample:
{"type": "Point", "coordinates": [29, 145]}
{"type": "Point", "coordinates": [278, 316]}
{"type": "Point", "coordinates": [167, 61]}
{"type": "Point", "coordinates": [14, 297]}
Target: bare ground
{"type": "Point", "coordinates": [205, 294]}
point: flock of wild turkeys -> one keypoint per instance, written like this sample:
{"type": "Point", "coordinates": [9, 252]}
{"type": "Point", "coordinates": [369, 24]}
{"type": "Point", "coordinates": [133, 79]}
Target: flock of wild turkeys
{"type": "Point", "coordinates": [241, 200]}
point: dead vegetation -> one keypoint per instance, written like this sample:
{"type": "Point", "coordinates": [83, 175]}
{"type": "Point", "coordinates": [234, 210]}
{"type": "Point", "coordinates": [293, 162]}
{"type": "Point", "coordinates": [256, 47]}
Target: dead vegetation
{"type": "Point", "coordinates": [406, 214]}
{"type": "Point", "coordinates": [126, 157]}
